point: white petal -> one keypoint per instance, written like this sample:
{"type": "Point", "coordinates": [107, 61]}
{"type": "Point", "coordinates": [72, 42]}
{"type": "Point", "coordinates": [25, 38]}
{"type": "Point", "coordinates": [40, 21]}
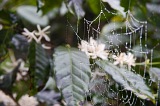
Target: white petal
{"type": "Point", "coordinates": [45, 47]}
{"type": "Point", "coordinates": [114, 56]}
{"type": "Point", "coordinates": [101, 47]}
{"type": "Point", "coordinates": [26, 30]}
{"type": "Point", "coordinates": [39, 28]}
{"type": "Point", "coordinates": [93, 42]}
{"type": "Point", "coordinates": [46, 28]}
{"type": "Point", "coordinates": [116, 63]}
{"type": "Point", "coordinates": [46, 38]}
{"type": "Point", "coordinates": [30, 39]}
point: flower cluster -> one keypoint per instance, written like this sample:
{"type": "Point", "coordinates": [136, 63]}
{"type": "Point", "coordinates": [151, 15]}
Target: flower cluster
{"type": "Point", "coordinates": [37, 35]}
{"type": "Point", "coordinates": [123, 58]}
{"type": "Point", "coordinates": [27, 100]}
{"type": "Point", "coordinates": [6, 99]}
{"type": "Point", "coordinates": [94, 49]}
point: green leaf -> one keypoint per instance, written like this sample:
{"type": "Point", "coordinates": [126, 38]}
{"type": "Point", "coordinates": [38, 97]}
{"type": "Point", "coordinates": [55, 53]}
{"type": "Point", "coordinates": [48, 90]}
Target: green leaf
{"type": "Point", "coordinates": [75, 6]}
{"type": "Point", "coordinates": [29, 14]}
{"type": "Point", "coordinates": [129, 80]}
{"type": "Point", "coordinates": [154, 74]}
{"type": "Point", "coordinates": [72, 73]}
{"type": "Point", "coordinates": [39, 67]}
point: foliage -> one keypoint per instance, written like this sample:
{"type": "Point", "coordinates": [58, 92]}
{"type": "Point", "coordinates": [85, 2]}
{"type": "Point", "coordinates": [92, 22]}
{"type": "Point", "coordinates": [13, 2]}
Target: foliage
{"type": "Point", "coordinates": [72, 76]}
{"type": "Point", "coordinates": [39, 67]}
{"type": "Point", "coordinates": [65, 73]}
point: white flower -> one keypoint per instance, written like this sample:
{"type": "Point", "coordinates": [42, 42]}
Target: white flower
{"type": "Point", "coordinates": [130, 60]}
{"type": "Point", "coordinates": [28, 101]}
{"type": "Point", "coordinates": [93, 49]}
{"type": "Point", "coordinates": [56, 105]}
{"type": "Point", "coordinates": [37, 35]}
{"type": "Point", "coordinates": [101, 52]}
{"type": "Point", "coordinates": [29, 35]}
{"type": "Point", "coordinates": [120, 59]}
{"type": "Point", "coordinates": [6, 99]}
{"type": "Point", "coordinates": [42, 33]}
{"type": "Point", "coordinates": [83, 46]}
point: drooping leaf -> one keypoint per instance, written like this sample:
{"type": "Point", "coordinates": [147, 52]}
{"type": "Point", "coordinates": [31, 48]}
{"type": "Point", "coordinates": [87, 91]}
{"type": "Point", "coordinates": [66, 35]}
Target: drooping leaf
{"type": "Point", "coordinates": [129, 80]}
{"type": "Point", "coordinates": [29, 14]}
{"type": "Point", "coordinates": [7, 80]}
{"type": "Point", "coordinates": [154, 74]}
{"type": "Point", "coordinates": [75, 7]}
{"type": "Point", "coordinates": [72, 74]}
{"type": "Point", "coordinates": [39, 67]}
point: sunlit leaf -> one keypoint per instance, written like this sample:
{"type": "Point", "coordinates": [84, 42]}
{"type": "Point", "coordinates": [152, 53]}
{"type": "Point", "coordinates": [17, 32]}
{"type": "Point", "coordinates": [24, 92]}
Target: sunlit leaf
{"type": "Point", "coordinates": [72, 74]}
{"type": "Point", "coordinates": [129, 80]}
{"type": "Point", "coordinates": [29, 14]}
{"type": "Point", "coordinates": [39, 67]}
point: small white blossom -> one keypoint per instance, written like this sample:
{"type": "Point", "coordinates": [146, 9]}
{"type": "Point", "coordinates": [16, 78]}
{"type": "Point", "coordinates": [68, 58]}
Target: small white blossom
{"type": "Point", "coordinates": [27, 100]}
{"type": "Point", "coordinates": [6, 99]}
{"type": "Point", "coordinates": [29, 35]}
{"type": "Point", "coordinates": [84, 46]}
{"type": "Point", "coordinates": [57, 104]}
{"type": "Point", "coordinates": [120, 59]}
{"type": "Point", "coordinates": [130, 60]}
{"type": "Point", "coordinates": [93, 49]}
{"type": "Point", "coordinates": [101, 52]}
{"type": "Point", "coordinates": [42, 33]}
{"type": "Point", "coordinates": [38, 35]}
